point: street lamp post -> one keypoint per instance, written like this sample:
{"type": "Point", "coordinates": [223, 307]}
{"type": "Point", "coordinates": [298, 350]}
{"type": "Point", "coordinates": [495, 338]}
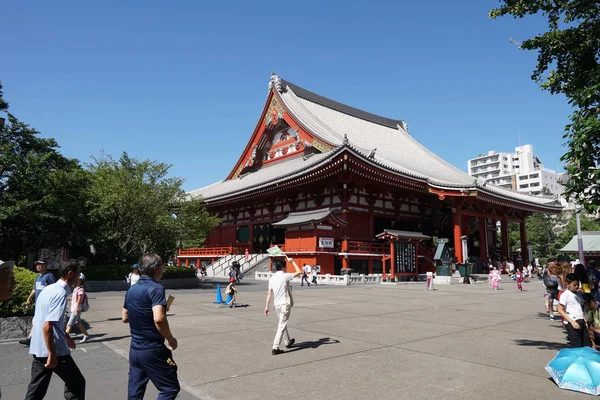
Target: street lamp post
{"type": "Point", "coordinates": [579, 239]}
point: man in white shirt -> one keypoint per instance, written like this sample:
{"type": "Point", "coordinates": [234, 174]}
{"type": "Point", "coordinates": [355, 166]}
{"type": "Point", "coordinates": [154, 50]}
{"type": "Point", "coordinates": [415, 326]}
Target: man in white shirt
{"type": "Point", "coordinates": [279, 287]}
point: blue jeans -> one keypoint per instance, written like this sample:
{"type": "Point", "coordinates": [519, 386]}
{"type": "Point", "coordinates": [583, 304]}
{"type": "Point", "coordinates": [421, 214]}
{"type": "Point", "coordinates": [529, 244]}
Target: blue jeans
{"type": "Point", "coordinates": [155, 364]}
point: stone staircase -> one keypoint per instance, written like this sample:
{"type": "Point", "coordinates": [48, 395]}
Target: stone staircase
{"type": "Point", "coordinates": [221, 267]}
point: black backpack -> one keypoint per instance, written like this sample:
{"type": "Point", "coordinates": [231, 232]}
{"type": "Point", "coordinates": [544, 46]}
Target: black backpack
{"type": "Point", "coordinates": [549, 283]}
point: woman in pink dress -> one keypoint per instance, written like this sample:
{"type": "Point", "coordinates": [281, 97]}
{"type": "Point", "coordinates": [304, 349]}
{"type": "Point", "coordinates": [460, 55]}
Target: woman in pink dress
{"type": "Point", "coordinates": [246, 254]}
{"type": "Point", "coordinates": [494, 277]}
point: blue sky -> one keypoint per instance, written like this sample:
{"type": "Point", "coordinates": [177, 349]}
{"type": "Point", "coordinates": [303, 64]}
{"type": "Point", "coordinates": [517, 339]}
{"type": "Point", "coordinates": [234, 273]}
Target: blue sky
{"type": "Point", "coordinates": [184, 82]}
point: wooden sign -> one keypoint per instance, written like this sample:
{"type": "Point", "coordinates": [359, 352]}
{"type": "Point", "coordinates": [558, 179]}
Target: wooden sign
{"type": "Point", "coordinates": [405, 257]}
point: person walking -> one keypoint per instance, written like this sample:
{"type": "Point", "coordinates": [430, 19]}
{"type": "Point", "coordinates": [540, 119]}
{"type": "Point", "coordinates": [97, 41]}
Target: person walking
{"type": "Point", "coordinates": [314, 275]}
{"type": "Point", "coordinates": [494, 278]}
{"type": "Point", "coordinates": [145, 311]}
{"type": "Point", "coordinates": [246, 255]}
{"type": "Point", "coordinates": [134, 275]}
{"type": "Point", "coordinates": [570, 307]}
{"type": "Point", "coordinates": [280, 289]}
{"type": "Point", "coordinates": [231, 291]}
{"type": "Point", "coordinates": [519, 278]}
{"type": "Point", "coordinates": [79, 304]}
{"type": "Point", "coordinates": [7, 280]}
{"type": "Point", "coordinates": [43, 279]}
{"type": "Point", "coordinates": [50, 345]}
{"type": "Point", "coordinates": [305, 272]}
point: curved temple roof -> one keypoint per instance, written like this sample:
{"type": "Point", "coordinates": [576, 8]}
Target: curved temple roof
{"type": "Point", "coordinates": [383, 141]}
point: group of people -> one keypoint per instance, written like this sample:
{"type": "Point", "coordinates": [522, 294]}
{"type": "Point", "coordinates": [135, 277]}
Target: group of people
{"type": "Point", "coordinates": [309, 270]}
{"type": "Point", "coordinates": [519, 275]}
{"type": "Point", "coordinates": [576, 290]}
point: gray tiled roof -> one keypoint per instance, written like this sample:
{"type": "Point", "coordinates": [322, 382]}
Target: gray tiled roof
{"type": "Point", "coordinates": [591, 243]}
{"type": "Point", "coordinates": [404, 234]}
{"type": "Point", "coordinates": [305, 217]}
{"type": "Point", "coordinates": [396, 150]}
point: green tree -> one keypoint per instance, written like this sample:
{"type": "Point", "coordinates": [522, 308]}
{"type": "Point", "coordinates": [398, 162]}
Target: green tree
{"type": "Point", "coordinates": [567, 63]}
{"type": "Point", "coordinates": [133, 204]}
{"type": "Point", "coordinates": [40, 201]}
{"type": "Point", "coordinates": [3, 103]}
{"type": "Point", "coordinates": [541, 234]}
{"type": "Point", "coordinates": [570, 230]}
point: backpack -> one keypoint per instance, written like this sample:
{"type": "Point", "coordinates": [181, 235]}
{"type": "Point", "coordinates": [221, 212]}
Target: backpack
{"type": "Point", "coordinates": [549, 283]}
{"type": "Point", "coordinates": [593, 284]}
{"type": "Point", "coordinates": [83, 304]}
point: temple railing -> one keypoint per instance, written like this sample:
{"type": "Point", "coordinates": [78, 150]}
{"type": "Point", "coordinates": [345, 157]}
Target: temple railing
{"type": "Point", "coordinates": [216, 251]}
{"type": "Point", "coordinates": [355, 246]}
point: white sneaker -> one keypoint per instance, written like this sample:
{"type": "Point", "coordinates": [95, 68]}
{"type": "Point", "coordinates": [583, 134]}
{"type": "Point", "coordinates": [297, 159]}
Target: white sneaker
{"type": "Point", "coordinates": [85, 339]}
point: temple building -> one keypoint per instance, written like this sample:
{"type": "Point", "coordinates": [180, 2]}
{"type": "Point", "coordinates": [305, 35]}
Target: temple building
{"type": "Point", "coordinates": [339, 187]}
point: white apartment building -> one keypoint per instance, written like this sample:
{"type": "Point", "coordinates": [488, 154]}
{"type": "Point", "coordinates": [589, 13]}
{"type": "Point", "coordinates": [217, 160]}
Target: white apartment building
{"type": "Point", "coordinates": [521, 171]}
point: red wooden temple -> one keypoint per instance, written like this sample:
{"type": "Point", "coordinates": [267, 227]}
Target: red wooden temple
{"type": "Point", "coordinates": [324, 180]}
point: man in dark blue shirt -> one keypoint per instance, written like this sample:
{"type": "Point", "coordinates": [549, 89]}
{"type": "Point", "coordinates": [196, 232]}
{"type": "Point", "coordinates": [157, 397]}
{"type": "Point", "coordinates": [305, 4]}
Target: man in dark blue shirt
{"type": "Point", "coordinates": [43, 279]}
{"type": "Point", "coordinates": [149, 358]}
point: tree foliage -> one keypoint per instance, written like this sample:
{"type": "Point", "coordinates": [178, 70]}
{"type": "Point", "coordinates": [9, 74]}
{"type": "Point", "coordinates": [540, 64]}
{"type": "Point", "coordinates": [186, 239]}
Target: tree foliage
{"type": "Point", "coordinates": [132, 204]}
{"type": "Point", "coordinates": [567, 63]}
{"type": "Point", "coordinates": [40, 202]}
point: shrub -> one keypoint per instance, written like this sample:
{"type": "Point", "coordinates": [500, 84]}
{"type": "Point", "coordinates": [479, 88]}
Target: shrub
{"type": "Point", "coordinates": [118, 272]}
{"type": "Point", "coordinates": [15, 307]}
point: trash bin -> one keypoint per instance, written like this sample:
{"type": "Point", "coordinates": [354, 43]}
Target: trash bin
{"type": "Point", "coordinates": [465, 269]}
{"type": "Point", "coordinates": [442, 270]}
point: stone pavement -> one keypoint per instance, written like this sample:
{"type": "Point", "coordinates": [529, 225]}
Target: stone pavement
{"type": "Point", "coordinates": [357, 342]}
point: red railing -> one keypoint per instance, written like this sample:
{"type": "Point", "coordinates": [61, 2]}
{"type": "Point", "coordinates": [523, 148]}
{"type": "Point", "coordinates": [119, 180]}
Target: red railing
{"type": "Point", "coordinates": [213, 251]}
{"type": "Point", "coordinates": [367, 247]}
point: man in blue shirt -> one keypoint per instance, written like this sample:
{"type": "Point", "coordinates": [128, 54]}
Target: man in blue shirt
{"type": "Point", "coordinates": [149, 358]}
{"type": "Point", "coordinates": [43, 279]}
{"type": "Point", "coordinates": [50, 345]}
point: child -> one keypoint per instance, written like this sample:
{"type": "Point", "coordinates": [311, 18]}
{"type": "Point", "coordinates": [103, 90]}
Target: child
{"type": "Point", "coordinates": [570, 307]}
{"type": "Point", "coordinates": [78, 305]}
{"type": "Point", "coordinates": [519, 278]}
{"type": "Point", "coordinates": [592, 316]}
{"type": "Point", "coordinates": [231, 291]}
{"type": "Point", "coordinates": [494, 277]}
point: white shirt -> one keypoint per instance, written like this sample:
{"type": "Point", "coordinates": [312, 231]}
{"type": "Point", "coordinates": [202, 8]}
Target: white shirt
{"type": "Point", "coordinates": [51, 306]}
{"type": "Point", "coordinates": [307, 269]}
{"type": "Point", "coordinates": [314, 272]}
{"type": "Point", "coordinates": [573, 304]}
{"type": "Point", "coordinates": [282, 291]}
{"type": "Point", "coordinates": [133, 278]}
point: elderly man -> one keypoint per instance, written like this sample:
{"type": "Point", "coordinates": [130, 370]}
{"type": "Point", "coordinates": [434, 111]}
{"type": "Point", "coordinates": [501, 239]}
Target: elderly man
{"type": "Point", "coordinates": [149, 358]}
{"type": "Point", "coordinates": [279, 287]}
{"type": "Point", "coordinates": [50, 345]}
{"type": "Point", "coordinates": [43, 279]}
{"type": "Point", "coordinates": [7, 279]}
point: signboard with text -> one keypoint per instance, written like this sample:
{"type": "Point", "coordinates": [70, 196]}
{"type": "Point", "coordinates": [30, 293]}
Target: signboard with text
{"type": "Point", "coordinates": [326, 243]}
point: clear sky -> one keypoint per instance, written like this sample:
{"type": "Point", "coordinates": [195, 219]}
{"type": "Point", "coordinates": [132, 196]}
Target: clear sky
{"type": "Point", "coordinates": [184, 82]}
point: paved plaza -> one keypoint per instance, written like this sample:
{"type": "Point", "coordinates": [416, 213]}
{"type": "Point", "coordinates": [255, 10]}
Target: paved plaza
{"type": "Point", "coordinates": [357, 342]}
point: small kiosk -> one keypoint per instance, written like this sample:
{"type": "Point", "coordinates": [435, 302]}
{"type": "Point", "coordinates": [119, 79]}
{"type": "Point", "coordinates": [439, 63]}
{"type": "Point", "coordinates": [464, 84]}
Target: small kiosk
{"type": "Point", "coordinates": [401, 262]}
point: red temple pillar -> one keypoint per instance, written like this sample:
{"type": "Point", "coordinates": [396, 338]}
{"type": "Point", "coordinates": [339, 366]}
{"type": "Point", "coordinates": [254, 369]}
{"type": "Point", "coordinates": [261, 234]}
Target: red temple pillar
{"type": "Point", "coordinates": [504, 233]}
{"type": "Point", "coordinates": [457, 222]}
{"type": "Point", "coordinates": [482, 239]}
{"type": "Point", "coordinates": [345, 256]}
{"type": "Point", "coordinates": [392, 266]}
{"type": "Point", "coordinates": [524, 252]}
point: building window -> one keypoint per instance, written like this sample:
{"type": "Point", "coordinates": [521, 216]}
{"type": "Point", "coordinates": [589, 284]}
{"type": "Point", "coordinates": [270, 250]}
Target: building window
{"type": "Point", "coordinates": [524, 186]}
{"type": "Point", "coordinates": [523, 177]}
{"type": "Point", "coordinates": [534, 176]}
{"type": "Point", "coordinates": [534, 184]}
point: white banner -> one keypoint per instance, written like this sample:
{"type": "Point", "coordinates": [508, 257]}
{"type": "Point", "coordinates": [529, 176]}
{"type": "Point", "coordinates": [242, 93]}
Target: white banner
{"type": "Point", "coordinates": [326, 243]}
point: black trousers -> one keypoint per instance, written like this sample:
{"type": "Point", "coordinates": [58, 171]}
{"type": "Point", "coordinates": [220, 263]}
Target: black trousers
{"type": "Point", "coordinates": [579, 337]}
{"type": "Point", "coordinates": [66, 369]}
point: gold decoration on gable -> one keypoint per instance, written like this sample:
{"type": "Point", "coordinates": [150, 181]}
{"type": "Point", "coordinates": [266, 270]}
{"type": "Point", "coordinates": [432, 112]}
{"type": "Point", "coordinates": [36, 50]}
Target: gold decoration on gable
{"type": "Point", "coordinates": [274, 112]}
{"type": "Point", "coordinates": [317, 144]}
